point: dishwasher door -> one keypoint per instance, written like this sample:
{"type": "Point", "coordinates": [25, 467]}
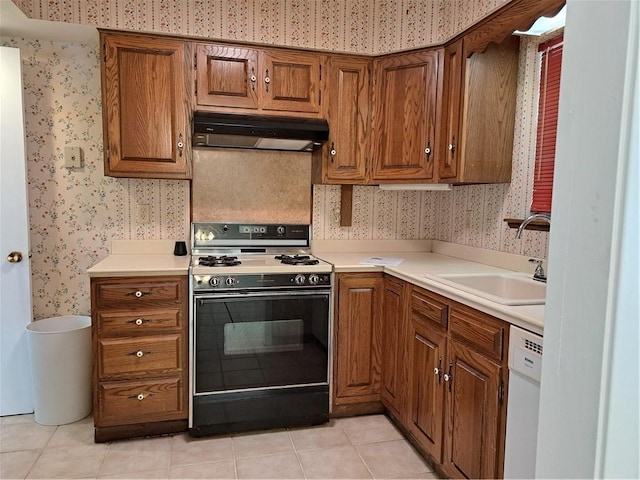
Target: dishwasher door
{"type": "Point", "coordinates": [525, 362]}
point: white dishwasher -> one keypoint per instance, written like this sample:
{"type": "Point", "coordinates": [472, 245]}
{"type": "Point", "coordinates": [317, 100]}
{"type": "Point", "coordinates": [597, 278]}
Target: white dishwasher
{"type": "Point", "coordinates": [525, 362]}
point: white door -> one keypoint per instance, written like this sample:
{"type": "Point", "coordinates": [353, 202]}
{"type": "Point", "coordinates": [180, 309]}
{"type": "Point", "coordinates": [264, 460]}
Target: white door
{"type": "Point", "coordinates": [15, 272]}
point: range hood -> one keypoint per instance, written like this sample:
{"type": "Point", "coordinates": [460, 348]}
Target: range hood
{"type": "Point", "coordinates": [258, 132]}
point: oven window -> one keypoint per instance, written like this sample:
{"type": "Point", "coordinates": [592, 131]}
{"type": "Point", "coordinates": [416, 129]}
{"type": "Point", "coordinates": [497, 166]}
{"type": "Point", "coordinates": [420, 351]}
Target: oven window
{"type": "Point", "coordinates": [260, 341]}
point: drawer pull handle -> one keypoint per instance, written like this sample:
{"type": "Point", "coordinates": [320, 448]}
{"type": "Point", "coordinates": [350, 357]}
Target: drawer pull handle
{"type": "Point", "coordinates": [138, 293]}
{"type": "Point", "coordinates": [137, 321]}
{"type": "Point", "coordinates": [139, 353]}
{"type": "Point", "coordinates": [140, 396]}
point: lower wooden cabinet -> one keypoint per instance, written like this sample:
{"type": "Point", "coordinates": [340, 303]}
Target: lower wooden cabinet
{"type": "Point", "coordinates": [458, 375]}
{"type": "Point", "coordinates": [139, 336]}
{"type": "Point", "coordinates": [427, 365]}
{"type": "Point", "coordinates": [438, 367]}
{"type": "Point", "coordinates": [356, 346]}
{"type": "Point", "coordinates": [394, 358]}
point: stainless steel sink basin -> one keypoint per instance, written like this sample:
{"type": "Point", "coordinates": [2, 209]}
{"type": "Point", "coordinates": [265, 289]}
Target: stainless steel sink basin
{"type": "Point", "coordinates": [504, 288]}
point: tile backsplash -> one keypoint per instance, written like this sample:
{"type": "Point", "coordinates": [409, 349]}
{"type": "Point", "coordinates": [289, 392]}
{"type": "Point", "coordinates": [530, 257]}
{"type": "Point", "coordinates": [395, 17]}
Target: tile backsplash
{"type": "Point", "coordinates": [76, 213]}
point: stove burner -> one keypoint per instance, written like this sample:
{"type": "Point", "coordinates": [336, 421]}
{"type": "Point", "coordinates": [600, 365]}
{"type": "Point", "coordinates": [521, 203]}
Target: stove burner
{"type": "Point", "coordinates": [221, 261]}
{"type": "Point", "coordinates": [297, 259]}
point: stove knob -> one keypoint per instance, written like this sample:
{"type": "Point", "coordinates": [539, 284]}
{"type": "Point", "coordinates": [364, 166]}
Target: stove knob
{"type": "Point", "coordinates": [214, 281]}
{"type": "Point", "coordinates": [299, 279]}
{"type": "Point", "coordinates": [230, 281]}
{"type": "Point", "coordinates": [280, 230]}
{"type": "Point", "coordinates": [313, 279]}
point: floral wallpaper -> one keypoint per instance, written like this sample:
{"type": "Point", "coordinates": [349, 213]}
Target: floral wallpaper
{"type": "Point", "coordinates": [357, 26]}
{"type": "Point", "coordinates": [75, 213]}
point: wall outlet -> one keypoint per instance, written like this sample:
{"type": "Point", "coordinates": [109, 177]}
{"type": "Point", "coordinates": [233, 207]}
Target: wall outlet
{"type": "Point", "coordinates": [142, 214]}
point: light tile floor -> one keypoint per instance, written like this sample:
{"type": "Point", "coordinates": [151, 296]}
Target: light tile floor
{"type": "Point", "coordinates": [358, 447]}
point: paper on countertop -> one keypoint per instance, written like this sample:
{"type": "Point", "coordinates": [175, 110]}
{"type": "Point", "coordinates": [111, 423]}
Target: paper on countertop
{"type": "Point", "coordinates": [382, 261]}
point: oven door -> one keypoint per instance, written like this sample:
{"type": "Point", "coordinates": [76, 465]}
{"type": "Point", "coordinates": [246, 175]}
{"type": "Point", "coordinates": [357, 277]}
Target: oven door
{"type": "Point", "coordinates": [259, 360]}
{"type": "Point", "coordinates": [260, 340]}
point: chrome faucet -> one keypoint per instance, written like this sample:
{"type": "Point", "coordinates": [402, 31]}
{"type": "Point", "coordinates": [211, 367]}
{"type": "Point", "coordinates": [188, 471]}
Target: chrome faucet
{"type": "Point", "coordinates": [539, 274]}
{"type": "Point", "coordinates": [530, 218]}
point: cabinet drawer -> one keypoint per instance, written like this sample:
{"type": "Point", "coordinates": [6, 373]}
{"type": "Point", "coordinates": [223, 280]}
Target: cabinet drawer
{"type": "Point", "coordinates": [133, 356]}
{"type": "Point", "coordinates": [129, 292]}
{"type": "Point", "coordinates": [485, 333]}
{"type": "Point", "coordinates": [427, 306]}
{"type": "Point", "coordinates": [139, 402]}
{"type": "Point", "coordinates": [138, 321]}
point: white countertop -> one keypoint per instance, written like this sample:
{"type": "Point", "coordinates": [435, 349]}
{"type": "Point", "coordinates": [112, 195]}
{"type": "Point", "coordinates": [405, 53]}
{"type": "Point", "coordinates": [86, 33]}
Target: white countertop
{"type": "Point", "coordinates": [420, 268]}
{"type": "Point", "coordinates": [154, 258]}
{"type": "Point", "coordinates": [140, 265]}
{"type": "Point", "coordinates": [141, 258]}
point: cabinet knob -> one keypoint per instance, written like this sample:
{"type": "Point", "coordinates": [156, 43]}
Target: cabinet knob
{"type": "Point", "coordinates": [138, 293]}
{"type": "Point", "coordinates": [452, 147]}
{"type": "Point", "coordinates": [140, 396]}
{"type": "Point", "coordinates": [139, 353]}
{"type": "Point", "coordinates": [139, 321]}
{"type": "Point", "coordinates": [180, 144]}
{"type": "Point", "coordinates": [253, 79]}
{"type": "Point", "coordinates": [333, 151]}
{"type": "Point", "coordinates": [267, 80]}
{"type": "Point", "coordinates": [427, 151]}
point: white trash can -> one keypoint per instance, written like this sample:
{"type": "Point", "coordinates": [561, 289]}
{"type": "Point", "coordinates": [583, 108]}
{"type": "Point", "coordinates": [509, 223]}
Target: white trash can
{"type": "Point", "coordinates": [60, 353]}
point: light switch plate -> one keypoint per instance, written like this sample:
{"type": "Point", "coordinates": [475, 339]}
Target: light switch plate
{"type": "Point", "coordinates": [73, 157]}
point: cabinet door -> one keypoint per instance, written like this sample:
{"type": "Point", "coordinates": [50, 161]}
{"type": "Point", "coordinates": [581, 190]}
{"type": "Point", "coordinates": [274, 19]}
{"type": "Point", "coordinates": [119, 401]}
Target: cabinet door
{"type": "Point", "coordinates": [227, 76]}
{"type": "Point", "coordinates": [146, 107]}
{"type": "Point", "coordinates": [427, 363]}
{"type": "Point", "coordinates": [478, 97]}
{"type": "Point", "coordinates": [404, 116]}
{"type": "Point", "coordinates": [394, 339]}
{"type": "Point", "coordinates": [347, 93]}
{"type": "Point", "coordinates": [449, 147]}
{"type": "Point", "coordinates": [473, 415]}
{"type": "Point", "coordinates": [357, 364]}
{"type": "Point", "coordinates": [290, 81]}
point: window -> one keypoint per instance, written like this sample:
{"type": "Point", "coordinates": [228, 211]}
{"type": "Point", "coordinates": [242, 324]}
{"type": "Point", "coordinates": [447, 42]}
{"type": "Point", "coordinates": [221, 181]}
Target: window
{"type": "Point", "coordinates": [547, 125]}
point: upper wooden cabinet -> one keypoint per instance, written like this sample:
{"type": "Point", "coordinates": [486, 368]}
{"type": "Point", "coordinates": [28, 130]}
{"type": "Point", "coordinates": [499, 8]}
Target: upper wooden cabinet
{"type": "Point", "coordinates": [239, 79]}
{"type": "Point", "coordinates": [146, 106]}
{"type": "Point", "coordinates": [478, 113]}
{"type": "Point", "coordinates": [343, 158]}
{"type": "Point", "coordinates": [404, 117]}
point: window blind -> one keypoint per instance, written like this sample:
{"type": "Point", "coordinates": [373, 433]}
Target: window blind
{"type": "Point", "coordinates": [547, 124]}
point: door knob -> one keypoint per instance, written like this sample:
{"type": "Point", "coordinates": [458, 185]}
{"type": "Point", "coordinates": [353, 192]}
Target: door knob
{"type": "Point", "coordinates": [14, 257]}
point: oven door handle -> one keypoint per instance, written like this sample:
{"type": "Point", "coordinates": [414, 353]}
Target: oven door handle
{"type": "Point", "coordinates": [269, 294]}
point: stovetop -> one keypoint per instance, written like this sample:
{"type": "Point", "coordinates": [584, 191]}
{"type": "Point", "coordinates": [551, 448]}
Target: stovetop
{"type": "Point", "coordinates": [257, 264]}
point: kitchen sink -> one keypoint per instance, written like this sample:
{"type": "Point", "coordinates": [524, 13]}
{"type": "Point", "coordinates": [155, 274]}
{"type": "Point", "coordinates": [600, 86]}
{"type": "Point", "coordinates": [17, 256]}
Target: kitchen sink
{"type": "Point", "coordinates": [504, 288]}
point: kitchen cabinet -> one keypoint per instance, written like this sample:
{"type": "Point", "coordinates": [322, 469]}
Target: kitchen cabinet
{"type": "Point", "coordinates": [458, 376]}
{"type": "Point", "coordinates": [478, 113]}
{"type": "Point", "coordinates": [343, 158]}
{"type": "Point", "coordinates": [139, 339]}
{"type": "Point", "coordinates": [394, 331]}
{"type": "Point", "coordinates": [232, 78]}
{"type": "Point", "coordinates": [404, 117]}
{"type": "Point", "coordinates": [427, 351]}
{"type": "Point", "coordinates": [146, 106]}
{"type": "Point", "coordinates": [357, 342]}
